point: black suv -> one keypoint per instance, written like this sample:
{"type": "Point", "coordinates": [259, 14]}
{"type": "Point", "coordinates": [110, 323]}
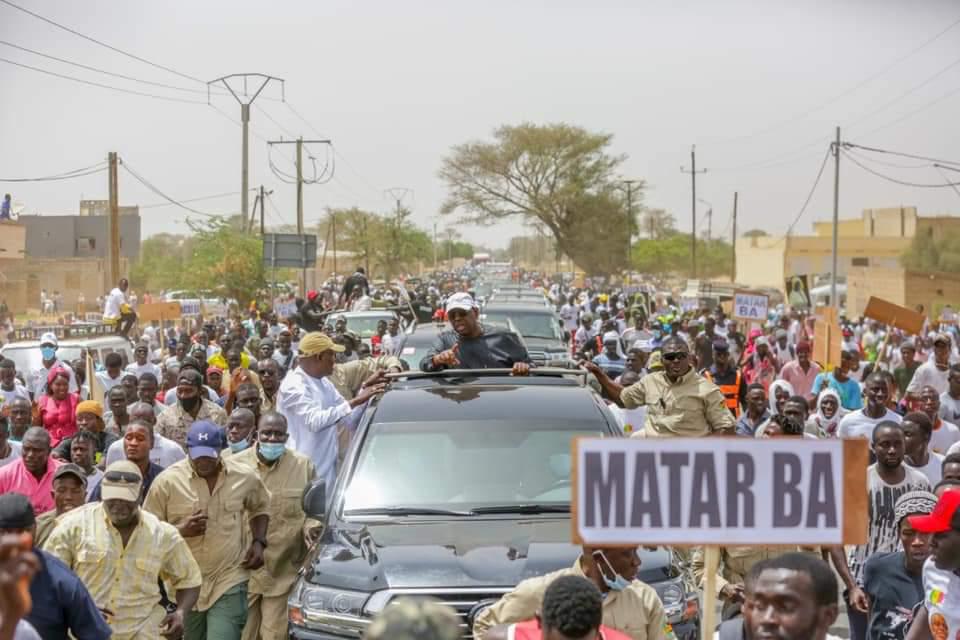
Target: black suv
{"type": "Point", "coordinates": [538, 325]}
{"type": "Point", "coordinates": [457, 487]}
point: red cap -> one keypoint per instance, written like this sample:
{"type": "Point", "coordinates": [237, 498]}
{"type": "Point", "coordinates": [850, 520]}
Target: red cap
{"type": "Point", "coordinates": [941, 519]}
{"type": "Point", "coordinates": [312, 294]}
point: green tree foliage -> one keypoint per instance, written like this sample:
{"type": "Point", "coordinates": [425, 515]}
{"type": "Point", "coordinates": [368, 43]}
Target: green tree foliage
{"type": "Point", "coordinates": [671, 254]}
{"type": "Point", "coordinates": [161, 263]}
{"type": "Point", "coordinates": [559, 176]}
{"type": "Point", "coordinates": [225, 260]}
{"type": "Point", "coordinates": [933, 252]}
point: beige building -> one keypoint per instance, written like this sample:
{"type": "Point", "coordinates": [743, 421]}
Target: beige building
{"type": "Point", "coordinates": [874, 241]}
{"type": "Point", "coordinates": [906, 288]}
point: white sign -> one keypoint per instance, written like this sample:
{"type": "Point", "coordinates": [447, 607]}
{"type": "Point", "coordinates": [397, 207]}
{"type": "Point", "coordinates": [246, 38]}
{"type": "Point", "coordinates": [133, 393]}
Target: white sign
{"type": "Point", "coordinates": [189, 307]}
{"type": "Point", "coordinates": [285, 309]}
{"type": "Point", "coordinates": [750, 306]}
{"type": "Point", "coordinates": [719, 491]}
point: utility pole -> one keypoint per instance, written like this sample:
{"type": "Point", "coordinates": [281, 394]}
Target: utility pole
{"type": "Point", "coordinates": [693, 206]}
{"type": "Point", "coordinates": [836, 219]}
{"type": "Point", "coordinates": [629, 228]}
{"type": "Point", "coordinates": [245, 124]}
{"type": "Point", "coordinates": [333, 226]}
{"type": "Point", "coordinates": [263, 202]}
{"type": "Point", "coordinates": [733, 242]}
{"type": "Point", "coordinates": [397, 194]}
{"type": "Point", "coordinates": [300, 142]}
{"type": "Point", "coordinates": [114, 201]}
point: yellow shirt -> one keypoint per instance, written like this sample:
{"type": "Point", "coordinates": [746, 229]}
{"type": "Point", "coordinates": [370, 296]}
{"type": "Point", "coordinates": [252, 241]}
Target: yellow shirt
{"type": "Point", "coordinates": [173, 422]}
{"type": "Point", "coordinates": [124, 579]}
{"type": "Point", "coordinates": [285, 480]}
{"type": "Point", "coordinates": [238, 496]}
{"type": "Point", "coordinates": [348, 377]}
{"type": "Point", "coordinates": [690, 407]}
{"type": "Point", "coordinates": [636, 611]}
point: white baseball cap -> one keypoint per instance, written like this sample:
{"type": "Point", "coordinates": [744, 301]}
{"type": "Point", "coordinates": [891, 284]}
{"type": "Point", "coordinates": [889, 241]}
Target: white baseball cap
{"type": "Point", "coordinates": [461, 300]}
{"type": "Point", "coordinates": [49, 338]}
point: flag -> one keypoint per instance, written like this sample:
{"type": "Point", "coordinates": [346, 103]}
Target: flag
{"type": "Point", "coordinates": [936, 596]}
{"type": "Point", "coordinates": [97, 392]}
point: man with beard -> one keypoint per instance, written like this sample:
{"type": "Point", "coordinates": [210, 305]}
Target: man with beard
{"type": "Point", "coordinates": [669, 396]}
{"type": "Point", "coordinates": [468, 345]}
{"type": "Point", "coordinates": [107, 542]}
{"type": "Point", "coordinates": [175, 420]}
{"type": "Point", "coordinates": [269, 383]}
{"type": "Point", "coordinates": [32, 473]}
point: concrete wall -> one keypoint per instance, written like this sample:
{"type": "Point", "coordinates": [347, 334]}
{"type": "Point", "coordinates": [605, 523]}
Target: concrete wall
{"type": "Point", "coordinates": [883, 282]}
{"type": "Point", "coordinates": [932, 290]}
{"type": "Point", "coordinates": [71, 277]}
{"type": "Point", "coordinates": [78, 236]}
{"type": "Point", "coordinates": [888, 222]}
{"type": "Point", "coordinates": [102, 208]}
{"type": "Point", "coordinates": [13, 239]}
{"type": "Point", "coordinates": [760, 261]}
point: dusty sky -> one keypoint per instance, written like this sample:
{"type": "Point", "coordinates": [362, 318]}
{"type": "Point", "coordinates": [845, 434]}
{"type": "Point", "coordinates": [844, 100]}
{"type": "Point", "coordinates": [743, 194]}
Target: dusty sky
{"type": "Point", "coordinates": [758, 85]}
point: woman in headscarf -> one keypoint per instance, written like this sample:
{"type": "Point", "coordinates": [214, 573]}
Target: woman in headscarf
{"type": "Point", "coordinates": [57, 409]}
{"type": "Point", "coordinates": [823, 423]}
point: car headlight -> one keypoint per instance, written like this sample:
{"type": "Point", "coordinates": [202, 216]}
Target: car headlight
{"type": "Point", "coordinates": [671, 593]}
{"type": "Point", "coordinates": [336, 611]}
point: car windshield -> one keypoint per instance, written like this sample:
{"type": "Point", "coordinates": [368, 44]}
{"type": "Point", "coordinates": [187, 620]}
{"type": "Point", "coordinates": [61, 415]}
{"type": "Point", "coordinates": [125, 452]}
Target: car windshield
{"type": "Point", "coordinates": [463, 465]}
{"type": "Point", "coordinates": [530, 325]}
{"type": "Point", "coordinates": [366, 326]}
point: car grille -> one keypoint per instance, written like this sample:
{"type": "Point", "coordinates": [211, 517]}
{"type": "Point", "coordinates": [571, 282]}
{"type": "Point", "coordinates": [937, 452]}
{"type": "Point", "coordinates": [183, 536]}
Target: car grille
{"type": "Point", "coordinates": [463, 601]}
{"type": "Point", "coordinates": [538, 357]}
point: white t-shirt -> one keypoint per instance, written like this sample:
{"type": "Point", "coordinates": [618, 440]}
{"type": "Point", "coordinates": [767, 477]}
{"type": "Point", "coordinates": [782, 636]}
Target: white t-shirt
{"type": "Point", "coordinates": [19, 391]}
{"type": "Point", "coordinates": [928, 374]}
{"type": "Point", "coordinates": [941, 597]}
{"type": "Point", "coordinates": [857, 424]}
{"type": "Point", "coordinates": [164, 452]}
{"type": "Point", "coordinates": [14, 453]}
{"type": "Point", "coordinates": [933, 469]}
{"type": "Point", "coordinates": [108, 382]}
{"type": "Point", "coordinates": [111, 308]}
{"type": "Point", "coordinates": [882, 534]}
{"type": "Point", "coordinates": [949, 408]}
{"type": "Point", "coordinates": [568, 313]}
{"type": "Point", "coordinates": [148, 367]}
{"type": "Point", "coordinates": [945, 435]}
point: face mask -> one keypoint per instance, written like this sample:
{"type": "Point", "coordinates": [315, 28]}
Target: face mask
{"type": "Point", "coordinates": [237, 447]}
{"type": "Point", "coordinates": [618, 583]}
{"type": "Point", "coordinates": [272, 450]}
{"type": "Point", "coordinates": [48, 353]}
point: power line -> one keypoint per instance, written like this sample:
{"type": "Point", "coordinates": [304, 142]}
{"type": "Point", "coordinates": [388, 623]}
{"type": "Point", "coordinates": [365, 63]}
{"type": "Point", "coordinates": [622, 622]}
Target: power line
{"type": "Point", "coordinates": [896, 181]}
{"type": "Point", "coordinates": [940, 171]}
{"type": "Point", "coordinates": [849, 145]}
{"type": "Point", "coordinates": [97, 84]}
{"type": "Point", "coordinates": [274, 121]}
{"type": "Point", "coordinates": [67, 175]}
{"type": "Point", "coordinates": [103, 71]}
{"type": "Point", "coordinates": [846, 92]}
{"type": "Point", "coordinates": [304, 120]}
{"type": "Point", "coordinates": [126, 166]}
{"type": "Point", "coordinates": [201, 198]}
{"type": "Point", "coordinates": [916, 111]}
{"type": "Point", "coordinates": [102, 44]}
{"type": "Point", "coordinates": [806, 203]}
{"type": "Point", "coordinates": [893, 165]}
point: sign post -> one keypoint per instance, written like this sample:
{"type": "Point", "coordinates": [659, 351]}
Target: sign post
{"type": "Point", "coordinates": [715, 492]}
{"type": "Point", "coordinates": [893, 314]}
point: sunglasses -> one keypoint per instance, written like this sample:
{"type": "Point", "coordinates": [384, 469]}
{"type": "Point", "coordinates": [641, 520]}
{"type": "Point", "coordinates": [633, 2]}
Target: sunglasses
{"type": "Point", "coordinates": [122, 477]}
{"type": "Point", "coordinates": [676, 355]}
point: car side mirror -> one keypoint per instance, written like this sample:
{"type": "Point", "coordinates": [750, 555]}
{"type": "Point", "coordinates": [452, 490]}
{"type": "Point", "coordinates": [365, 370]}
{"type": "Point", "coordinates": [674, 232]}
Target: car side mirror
{"type": "Point", "coordinates": [315, 500]}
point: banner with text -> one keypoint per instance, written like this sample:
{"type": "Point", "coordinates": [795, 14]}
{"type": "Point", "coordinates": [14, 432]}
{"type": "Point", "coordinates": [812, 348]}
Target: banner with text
{"type": "Point", "coordinates": [750, 306]}
{"type": "Point", "coordinates": [719, 491]}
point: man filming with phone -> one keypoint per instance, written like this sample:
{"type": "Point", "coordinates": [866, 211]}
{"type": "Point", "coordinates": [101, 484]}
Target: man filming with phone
{"type": "Point", "coordinates": [629, 606]}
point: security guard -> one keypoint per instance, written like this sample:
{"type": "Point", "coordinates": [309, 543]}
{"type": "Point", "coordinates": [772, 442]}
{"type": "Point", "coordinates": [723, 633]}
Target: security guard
{"type": "Point", "coordinates": [728, 377]}
{"type": "Point", "coordinates": [679, 401]}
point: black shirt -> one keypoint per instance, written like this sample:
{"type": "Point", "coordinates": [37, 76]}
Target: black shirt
{"type": "Point", "coordinates": [893, 594]}
{"type": "Point", "coordinates": [61, 603]}
{"type": "Point", "coordinates": [494, 349]}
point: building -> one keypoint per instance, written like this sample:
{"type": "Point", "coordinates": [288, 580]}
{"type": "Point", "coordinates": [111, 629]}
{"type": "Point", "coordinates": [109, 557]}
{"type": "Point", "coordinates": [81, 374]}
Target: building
{"type": "Point", "coordinates": [911, 289]}
{"type": "Point", "coordinates": [875, 241]}
{"type": "Point", "coordinates": [65, 253]}
{"type": "Point", "coordinates": [102, 208]}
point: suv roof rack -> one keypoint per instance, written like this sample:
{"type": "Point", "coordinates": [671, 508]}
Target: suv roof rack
{"type": "Point", "coordinates": [64, 332]}
{"type": "Point", "coordinates": [538, 372]}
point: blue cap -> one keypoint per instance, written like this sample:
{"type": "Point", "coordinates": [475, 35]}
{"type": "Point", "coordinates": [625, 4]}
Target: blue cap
{"type": "Point", "coordinates": [205, 440]}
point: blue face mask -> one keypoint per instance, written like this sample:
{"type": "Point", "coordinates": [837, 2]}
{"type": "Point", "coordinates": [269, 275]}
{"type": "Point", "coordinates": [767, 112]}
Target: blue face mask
{"type": "Point", "coordinates": [48, 353]}
{"type": "Point", "coordinates": [272, 450]}
{"type": "Point", "coordinates": [618, 582]}
{"type": "Point", "coordinates": [237, 447]}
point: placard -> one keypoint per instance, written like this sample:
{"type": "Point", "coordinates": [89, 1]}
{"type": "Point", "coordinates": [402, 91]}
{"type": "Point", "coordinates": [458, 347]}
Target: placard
{"type": "Point", "coordinates": [158, 311]}
{"type": "Point", "coordinates": [893, 314]}
{"type": "Point", "coordinates": [719, 491]}
{"type": "Point", "coordinates": [748, 305]}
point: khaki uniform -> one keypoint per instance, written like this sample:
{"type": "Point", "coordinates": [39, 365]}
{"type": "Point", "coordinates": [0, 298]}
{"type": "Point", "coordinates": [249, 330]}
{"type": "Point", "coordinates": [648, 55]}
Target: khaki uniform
{"type": "Point", "coordinates": [270, 585]}
{"type": "Point", "coordinates": [173, 422]}
{"type": "Point", "coordinates": [347, 379]}
{"type": "Point", "coordinates": [238, 496]}
{"type": "Point", "coordinates": [636, 611]}
{"type": "Point", "coordinates": [46, 522]}
{"type": "Point", "coordinates": [691, 407]}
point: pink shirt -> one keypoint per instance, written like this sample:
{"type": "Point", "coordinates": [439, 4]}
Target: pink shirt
{"type": "Point", "coordinates": [15, 478]}
{"type": "Point", "coordinates": [801, 382]}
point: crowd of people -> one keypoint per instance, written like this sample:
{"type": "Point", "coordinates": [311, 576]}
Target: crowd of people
{"type": "Point", "coordinates": [163, 496]}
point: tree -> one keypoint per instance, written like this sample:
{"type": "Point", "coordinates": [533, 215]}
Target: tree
{"type": "Point", "coordinates": [387, 245]}
{"type": "Point", "coordinates": [755, 233]}
{"type": "Point", "coordinates": [160, 265]}
{"type": "Point", "coordinates": [559, 176]}
{"type": "Point", "coordinates": [672, 255]}
{"type": "Point", "coordinates": [657, 223]}
{"type": "Point", "coordinates": [224, 259]}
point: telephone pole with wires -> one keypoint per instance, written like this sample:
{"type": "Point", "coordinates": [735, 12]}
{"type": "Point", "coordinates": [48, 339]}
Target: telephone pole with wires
{"type": "Point", "coordinates": [263, 80]}
{"type": "Point", "coordinates": [397, 194]}
{"type": "Point", "coordinates": [836, 220]}
{"type": "Point", "coordinates": [693, 201]}
{"type": "Point", "coordinates": [630, 219]}
{"type": "Point", "coordinates": [114, 201]}
{"type": "Point", "coordinates": [300, 182]}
